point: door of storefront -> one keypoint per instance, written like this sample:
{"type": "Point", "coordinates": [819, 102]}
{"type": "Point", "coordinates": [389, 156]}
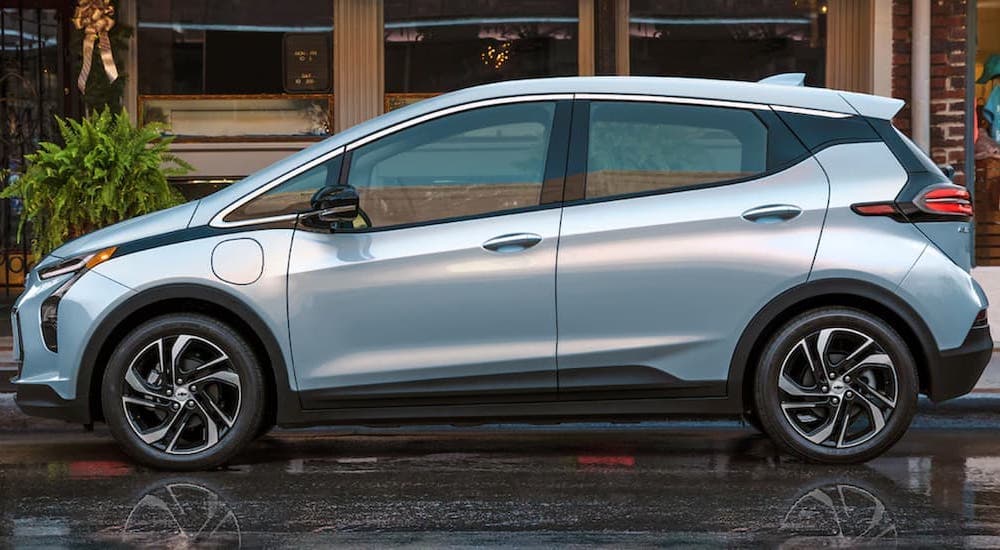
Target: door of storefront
{"type": "Point", "coordinates": [33, 88]}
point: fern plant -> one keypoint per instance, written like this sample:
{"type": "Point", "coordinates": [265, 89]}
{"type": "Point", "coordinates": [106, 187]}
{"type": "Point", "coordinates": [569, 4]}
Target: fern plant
{"type": "Point", "coordinates": [107, 170]}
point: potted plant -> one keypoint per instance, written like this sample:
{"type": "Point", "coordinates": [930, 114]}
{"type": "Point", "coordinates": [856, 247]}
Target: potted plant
{"type": "Point", "coordinates": [106, 170]}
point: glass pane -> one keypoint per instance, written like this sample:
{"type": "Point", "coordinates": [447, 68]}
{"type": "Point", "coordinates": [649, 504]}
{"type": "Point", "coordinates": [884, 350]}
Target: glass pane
{"type": "Point", "coordinates": [292, 196]}
{"type": "Point", "coordinates": [221, 47]}
{"type": "Point", "coordinates": [734, 39]}
{"type": "Point", "coordinates": [475, 162]}
{"type": "Point", "coordinates": [643, 147]}
{"type": "Point", "coordinates": [444, 45]}
{"type": "Point", "coordinates": [247, 116]}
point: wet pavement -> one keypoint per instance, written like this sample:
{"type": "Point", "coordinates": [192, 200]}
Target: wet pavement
{"type": "Point", "coordinates": [688, 484]}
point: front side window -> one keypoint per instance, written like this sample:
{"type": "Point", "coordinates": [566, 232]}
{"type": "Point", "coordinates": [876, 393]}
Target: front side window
{"type": "Point", "coordinates": [475, 162]}
{"type": "Point", "coordinates": [637, 147]}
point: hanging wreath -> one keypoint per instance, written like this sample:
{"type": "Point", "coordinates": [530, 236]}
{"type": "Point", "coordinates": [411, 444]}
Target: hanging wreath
{"type": "Point", "coordinates": [96, 19]}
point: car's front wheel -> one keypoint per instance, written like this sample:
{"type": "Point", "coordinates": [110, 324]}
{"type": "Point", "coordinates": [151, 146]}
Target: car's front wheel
{"type": "Point", "coordinates": [836, 385]}
{"type": "Point", "coordinates": [183, 392]}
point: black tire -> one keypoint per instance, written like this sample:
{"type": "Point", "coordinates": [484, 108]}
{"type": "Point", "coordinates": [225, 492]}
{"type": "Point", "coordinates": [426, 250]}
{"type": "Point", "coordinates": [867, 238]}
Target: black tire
{"type": "Point", "coordinates": [751, 419]}
{"type": "Point", "coordinates": [855, 397]}
{"type": "Point", "coordinates": [247, 412]}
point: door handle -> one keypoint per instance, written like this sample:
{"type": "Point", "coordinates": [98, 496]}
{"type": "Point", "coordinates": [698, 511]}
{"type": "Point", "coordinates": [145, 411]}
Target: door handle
{"type": "Point", "coordinates": [514, 242]}
{"type": "Point", "coordinates": [772, 213]}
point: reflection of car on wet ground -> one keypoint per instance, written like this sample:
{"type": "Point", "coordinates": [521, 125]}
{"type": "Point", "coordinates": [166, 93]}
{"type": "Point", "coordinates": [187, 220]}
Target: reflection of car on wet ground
{"type": "Point", "coordinates": [545, 250]}
{"type": "Point", "coordinates": [547, 489]}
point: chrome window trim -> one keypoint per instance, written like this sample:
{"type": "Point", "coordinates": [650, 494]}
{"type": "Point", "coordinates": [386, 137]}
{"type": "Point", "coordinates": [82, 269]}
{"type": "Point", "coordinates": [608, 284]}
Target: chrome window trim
{"type": "Point", "coordinates": [673, 99]}
{"type": "Point", "coordinates": [711, 103]}
{"type": "Point", "coordinates": [219, 219]}
{"type": "Point", "coordinates": [812, 112]}
{"type": "Point", "coordinates": [452, 110]}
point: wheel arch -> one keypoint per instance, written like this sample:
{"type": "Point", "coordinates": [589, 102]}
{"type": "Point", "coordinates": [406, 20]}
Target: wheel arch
{"type": "Point", "coordinates": [181, 298]}
{"type": "Point", "coordinates": [861, 295]}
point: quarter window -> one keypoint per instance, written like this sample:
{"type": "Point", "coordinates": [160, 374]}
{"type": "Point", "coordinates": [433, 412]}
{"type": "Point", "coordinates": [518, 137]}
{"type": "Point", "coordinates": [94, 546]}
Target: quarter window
{"type": "Point", "coordinates": [476, 162]}
{"type": "Point", "coordinates": [639, 147]}
{"type": "Point", "coordinates": [292, 196]}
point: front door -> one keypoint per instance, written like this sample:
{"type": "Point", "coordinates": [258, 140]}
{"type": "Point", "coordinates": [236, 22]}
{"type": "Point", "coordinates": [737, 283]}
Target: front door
{"type": "Point", "coordinates": [445, 288]}
{"type": "Point", "coordinates": [693, 218]}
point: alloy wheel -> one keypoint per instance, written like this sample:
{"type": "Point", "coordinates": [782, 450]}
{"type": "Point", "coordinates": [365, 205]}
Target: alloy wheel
{"type": "Point", "coordinates": [182, 394]}
{"type": "Point", "coordinates": [838, 387]}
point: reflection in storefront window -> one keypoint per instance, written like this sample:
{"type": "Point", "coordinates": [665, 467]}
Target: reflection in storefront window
{"type": "Point", "coordinates": [434, 46]}
{"type": "Point", "coordinates": [731, 39]}
{"type": "Point", "coordinates": [236, 67]}
{"type": "Point", "coordinates": [221, 47]}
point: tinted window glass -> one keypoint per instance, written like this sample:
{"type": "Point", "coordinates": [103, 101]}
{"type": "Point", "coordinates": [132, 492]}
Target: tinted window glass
{"type": "Point", "coordinates": [292, 196]}
{"type": "Point", "coordinates": [920, 155]}
{"type": "Point", "coordinates": [222, 46]}
{"type": "Point", "coordinates": [641, 147]}
{"type": "Point", "coordinates": [733, 39]}
{"type": "Point", "coordinates": [443, 45]}
{"type": "Point", "coordinates": [474, 162]}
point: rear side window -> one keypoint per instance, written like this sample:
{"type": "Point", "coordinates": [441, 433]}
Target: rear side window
{"type": "Point", "coordinates": [639, 147]}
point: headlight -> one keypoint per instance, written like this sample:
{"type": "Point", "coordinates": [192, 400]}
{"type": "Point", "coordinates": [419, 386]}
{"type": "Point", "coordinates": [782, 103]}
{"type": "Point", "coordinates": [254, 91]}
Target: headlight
{"type": "Point", "coordinates": [79, 263]}
{"type": "Point", "coordinates": [50, 306]}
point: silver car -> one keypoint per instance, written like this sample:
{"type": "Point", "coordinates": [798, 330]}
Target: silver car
{"type": "Point", "coordinates": [544, 250]}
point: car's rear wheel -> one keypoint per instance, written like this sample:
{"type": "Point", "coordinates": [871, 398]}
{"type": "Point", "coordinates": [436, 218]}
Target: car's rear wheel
{"type": "Point", "coordinates": [183, 392]}
{"type": "Point", "coordinates": [836, 385]}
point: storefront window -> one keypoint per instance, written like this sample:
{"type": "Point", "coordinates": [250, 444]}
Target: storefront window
{"type": "Point", "coordinates": [730, 39]}
{"type": "Point", "coordinates": [435, 46]}
{"type": "Point", "coordinates": [236, 67]}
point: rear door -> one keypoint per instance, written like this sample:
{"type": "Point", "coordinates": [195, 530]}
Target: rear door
{"type": "Point", "coordinates": [682, 221]}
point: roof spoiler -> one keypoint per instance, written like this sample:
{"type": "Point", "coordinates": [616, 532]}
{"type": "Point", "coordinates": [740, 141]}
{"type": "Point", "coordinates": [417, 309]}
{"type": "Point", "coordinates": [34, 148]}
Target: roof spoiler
{"type": "Point", "coordinates": [785, 79]}
{"type": "Point", "coordinates": [864, 104]}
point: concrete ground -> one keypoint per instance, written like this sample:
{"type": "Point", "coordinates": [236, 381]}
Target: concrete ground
{"type": "Point", "coordinates": [989, 279]}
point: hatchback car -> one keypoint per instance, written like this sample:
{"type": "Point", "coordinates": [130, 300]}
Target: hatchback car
{"type": "Point", "coordinates": [544, 250]}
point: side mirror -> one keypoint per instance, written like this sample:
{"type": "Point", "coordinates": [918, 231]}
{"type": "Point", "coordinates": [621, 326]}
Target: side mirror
{"type": "Point", "coordinates": [335, 204]}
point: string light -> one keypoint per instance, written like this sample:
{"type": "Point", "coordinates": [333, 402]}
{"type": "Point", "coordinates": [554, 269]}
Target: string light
{"type": "Point", "coordinates": [496, 56]}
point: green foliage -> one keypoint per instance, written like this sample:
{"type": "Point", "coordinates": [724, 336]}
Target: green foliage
{"type": "Point", "coordinates": [107, 171]}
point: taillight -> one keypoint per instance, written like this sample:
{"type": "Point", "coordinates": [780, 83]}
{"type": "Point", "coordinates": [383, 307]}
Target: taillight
{"type": "Point", "coordinates": [939, 202]}
{"type": "Point", "coordinates": [876, 209]}
{"type": "Point", "coordinates": [982, 319]}
{"type": "Point", "coordinates": [945, 200]}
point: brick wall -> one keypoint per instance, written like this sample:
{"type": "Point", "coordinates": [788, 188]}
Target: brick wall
{"type": "Point", "coordinates": [948, 47]}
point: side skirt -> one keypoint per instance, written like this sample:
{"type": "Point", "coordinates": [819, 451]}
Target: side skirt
{"type": "Point", "coordinates": [544, 412]}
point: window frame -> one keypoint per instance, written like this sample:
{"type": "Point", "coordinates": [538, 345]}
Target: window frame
{"type": "Point", "coordinates": [565, 182]}
{"type": "Point", "coordinates": [577, 171]}
{"type": "Point", "coordinates": [552, 185]}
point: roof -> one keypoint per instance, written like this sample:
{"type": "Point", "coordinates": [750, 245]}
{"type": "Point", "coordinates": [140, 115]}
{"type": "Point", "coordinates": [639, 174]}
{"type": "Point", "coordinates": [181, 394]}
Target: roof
{"type": "Point", "coordinates": [731, 90]}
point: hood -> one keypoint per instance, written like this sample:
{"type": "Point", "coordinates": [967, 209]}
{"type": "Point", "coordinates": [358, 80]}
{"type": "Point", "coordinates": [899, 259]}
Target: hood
{"type": "Point", "coordinates": [148, 225]}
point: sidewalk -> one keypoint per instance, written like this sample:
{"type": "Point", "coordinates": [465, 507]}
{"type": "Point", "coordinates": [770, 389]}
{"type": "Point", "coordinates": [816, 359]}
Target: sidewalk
{"type": "Point", "coordinates": [989, 279]}
{"type": "Point", "coordinates": [7, 366]}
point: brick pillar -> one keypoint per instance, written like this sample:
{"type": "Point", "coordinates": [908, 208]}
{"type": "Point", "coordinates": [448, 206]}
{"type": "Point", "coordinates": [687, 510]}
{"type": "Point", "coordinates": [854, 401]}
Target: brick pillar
{"type": "Point", "coordinates": [948, 82]}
